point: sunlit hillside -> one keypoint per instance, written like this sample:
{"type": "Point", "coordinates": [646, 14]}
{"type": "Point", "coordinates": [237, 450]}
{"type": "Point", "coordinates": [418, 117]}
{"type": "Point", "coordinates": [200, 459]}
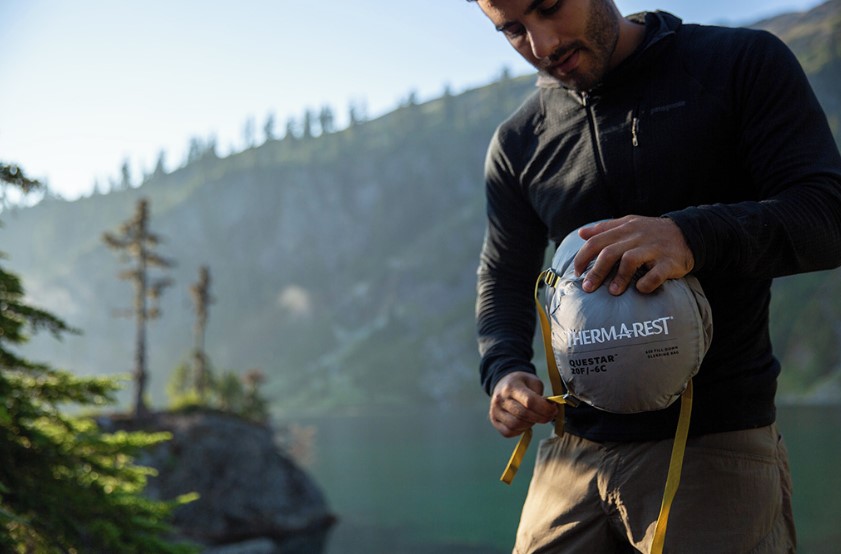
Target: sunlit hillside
{"type": "Point", "coordinates": [343, 264]}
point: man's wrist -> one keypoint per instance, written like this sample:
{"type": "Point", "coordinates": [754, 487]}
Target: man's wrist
{"type": "Point", "coordinates": [528, 369]}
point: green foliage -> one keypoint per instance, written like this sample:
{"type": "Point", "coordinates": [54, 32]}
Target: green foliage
{"type": "Point", "coordinates": [180, 390]}
{"type": "Point", "coordinates": [12, 179]}
{"type": "Point", "coordinates": [228, 392]}
{"type": "Point", "coordinates": [66, 486]}
{"type": "Point", "coordinates": [13, 175]}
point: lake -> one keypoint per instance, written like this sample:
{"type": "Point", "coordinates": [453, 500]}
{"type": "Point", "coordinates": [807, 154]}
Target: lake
{"type": "Point", "coordinates": [428, 483]}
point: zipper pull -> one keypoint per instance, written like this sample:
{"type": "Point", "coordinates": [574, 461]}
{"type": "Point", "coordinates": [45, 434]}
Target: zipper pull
{"type": "Point", "coordinates": [635, 127]}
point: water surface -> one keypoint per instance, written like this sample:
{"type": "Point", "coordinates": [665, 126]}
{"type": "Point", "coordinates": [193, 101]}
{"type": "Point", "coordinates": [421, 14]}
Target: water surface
{"type": "Point", "coordinates": [428, 483]}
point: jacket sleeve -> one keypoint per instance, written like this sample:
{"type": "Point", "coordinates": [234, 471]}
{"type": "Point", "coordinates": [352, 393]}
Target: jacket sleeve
{"type": "Point", "coordinates": [794, 225]}
{"type": "Point", "coordinates": [512, 254]}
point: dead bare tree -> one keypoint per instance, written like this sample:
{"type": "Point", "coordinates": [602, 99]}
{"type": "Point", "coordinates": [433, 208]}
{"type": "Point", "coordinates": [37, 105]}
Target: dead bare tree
{"type": "Point", "coordinates": [136, 243]}
{"type": "Point", "coordinates": [200, 292]}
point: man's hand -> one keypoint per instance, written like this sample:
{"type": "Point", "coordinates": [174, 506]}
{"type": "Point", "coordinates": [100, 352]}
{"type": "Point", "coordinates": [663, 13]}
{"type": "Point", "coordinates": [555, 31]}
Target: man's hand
{"type": "Point", "coordinates": [655, 244]}
{"type": "Point", "coordinates": [517, 404]}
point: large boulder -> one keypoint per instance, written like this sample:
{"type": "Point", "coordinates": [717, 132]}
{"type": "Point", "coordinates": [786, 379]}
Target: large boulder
{"type": "Point", "coordinates": [249, 490]}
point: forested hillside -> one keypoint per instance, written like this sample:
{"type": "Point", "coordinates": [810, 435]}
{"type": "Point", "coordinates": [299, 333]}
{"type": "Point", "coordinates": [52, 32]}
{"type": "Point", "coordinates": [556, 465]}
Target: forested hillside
{"type": "Point", "coordinates": [343, 264]}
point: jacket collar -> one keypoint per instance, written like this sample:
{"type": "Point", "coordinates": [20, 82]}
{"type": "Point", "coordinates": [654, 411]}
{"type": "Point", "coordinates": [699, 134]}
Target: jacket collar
{"type": "Point", "coordinates": [658, 26]}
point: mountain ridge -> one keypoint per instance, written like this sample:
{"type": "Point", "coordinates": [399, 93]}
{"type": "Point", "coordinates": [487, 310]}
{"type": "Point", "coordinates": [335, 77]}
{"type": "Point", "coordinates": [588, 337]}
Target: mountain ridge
{"type": "Point", "coordinates": [343, 265]}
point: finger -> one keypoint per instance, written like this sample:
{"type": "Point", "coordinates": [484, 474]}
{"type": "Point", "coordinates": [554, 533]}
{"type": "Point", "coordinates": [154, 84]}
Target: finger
{"type": "Point", "coordinates": [603, 238]}
{"type": "Point", "coordinates": [518, 403]}
{"type": "Point", "coordinates": [590, 249]}
{"type": "Point", "coordinates": [582, 259]}
{"type": "Point", "coordinates": [537, 409]}
{"type": "Point", "coordinates": [532, 409]}
{"type": "Point", "coordinates": [590, 231]}
{"type": "Point", "coordinates": [508, 426]}
{"type": "Point", "coordinates": [618, 285]}
{"type": "Point", "coordinates": [652, 279]}
{"type": "Point", "coordinates": [602, 268]}
{"type": "Point", "coordinates": [589, 253]}
{"type": "Point", "coordinates": [511, 416]}
{"type": "Point", "coordinates": [629, 264]}
{"type": "Point", "coordinates": [506, 422]}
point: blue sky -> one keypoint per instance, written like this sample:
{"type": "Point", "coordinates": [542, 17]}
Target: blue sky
{"type": "Point", "coordinates": [90, 83]}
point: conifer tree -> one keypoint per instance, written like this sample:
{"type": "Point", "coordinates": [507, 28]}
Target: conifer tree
{"type": "Point", "coordinates": [268, 128]}
{"type": "Point", "coordinates": [325, 120]}
{"type": "Point", "coordinates": [194, 150]}
{"type": "Point", "coordinates": [307, 124]}
{"type": "Point", "coordinates": [136, 243]}
{"type": "Point", "coordinates": [248, 133]}
{"type": "Point", "coordinates": [12, 176]}
{"type": "Point", "coordinates": [291, 129]}
{"type": "Point", "coordinates": [357, 113]}
{"type": "Point", "coordinates": [200, 291]}
{"type": "Point", "coordinates": [160, 165]}
{"type": "Point", "coordinates": [65, 486]}
{"type": "Point", "coordinates": [125, 175]}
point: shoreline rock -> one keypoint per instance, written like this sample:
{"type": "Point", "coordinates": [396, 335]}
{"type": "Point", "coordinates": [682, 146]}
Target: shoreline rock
{"type": "Point", "coordinates": [250, 492]}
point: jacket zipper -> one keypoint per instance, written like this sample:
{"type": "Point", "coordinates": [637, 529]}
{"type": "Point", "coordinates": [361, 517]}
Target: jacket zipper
{"type": "Point", "coordinates": [635, 128]}
{"type": "Point", "coordinates": [585, 101]}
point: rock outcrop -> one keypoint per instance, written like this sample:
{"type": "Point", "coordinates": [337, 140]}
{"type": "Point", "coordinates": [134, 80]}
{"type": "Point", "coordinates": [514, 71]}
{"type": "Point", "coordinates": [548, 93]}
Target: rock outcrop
{"type": "Point", "coordinates": [250, 492]}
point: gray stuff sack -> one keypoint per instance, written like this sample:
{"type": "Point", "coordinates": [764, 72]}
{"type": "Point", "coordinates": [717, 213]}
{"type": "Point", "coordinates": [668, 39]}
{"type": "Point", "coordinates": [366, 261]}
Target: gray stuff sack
{"type": "Point", "coordinates": [629, 353]}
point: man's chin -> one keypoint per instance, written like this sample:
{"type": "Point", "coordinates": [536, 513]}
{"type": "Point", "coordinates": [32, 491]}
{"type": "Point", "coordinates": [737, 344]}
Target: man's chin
{"type": "Point", "coordinates": [545, 78]}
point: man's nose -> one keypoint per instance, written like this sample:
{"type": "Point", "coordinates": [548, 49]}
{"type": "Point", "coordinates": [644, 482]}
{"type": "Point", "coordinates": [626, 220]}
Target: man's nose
{"type": "Point", "coordinates": [543, 42]}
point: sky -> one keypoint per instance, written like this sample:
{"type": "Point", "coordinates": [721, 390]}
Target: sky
{"type": "Point", "coordinates": [88, 84]}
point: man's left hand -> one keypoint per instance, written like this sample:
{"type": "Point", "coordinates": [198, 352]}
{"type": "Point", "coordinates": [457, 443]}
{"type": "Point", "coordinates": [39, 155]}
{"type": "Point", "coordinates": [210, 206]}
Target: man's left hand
{"type": "Point", "coordinates": [633, 242]}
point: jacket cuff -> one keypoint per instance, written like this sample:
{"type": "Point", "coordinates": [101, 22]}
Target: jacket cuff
{"type": "Point", "coordinates": [688, 221]}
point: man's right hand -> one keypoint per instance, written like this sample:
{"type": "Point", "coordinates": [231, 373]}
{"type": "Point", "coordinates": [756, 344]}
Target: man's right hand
{"type": "Point", "coordinates": [517, 403]}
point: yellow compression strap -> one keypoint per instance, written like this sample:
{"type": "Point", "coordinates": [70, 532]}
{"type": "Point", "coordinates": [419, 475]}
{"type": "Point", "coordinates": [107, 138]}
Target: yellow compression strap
{"type": "Point", "coordinates": [675, 466]}
{"type": "Point", "coordinates": [550, 278]}
{"type": "Point", "coordinates": [558, 389]}
{"type": "Point", "coordinates": [561, 398]}
{"type": "Point", "coordinates": [523, 445]}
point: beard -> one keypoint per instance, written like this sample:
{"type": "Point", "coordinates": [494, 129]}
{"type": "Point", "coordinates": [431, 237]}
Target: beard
{"type": "Point", "coordinates": [595, 50]}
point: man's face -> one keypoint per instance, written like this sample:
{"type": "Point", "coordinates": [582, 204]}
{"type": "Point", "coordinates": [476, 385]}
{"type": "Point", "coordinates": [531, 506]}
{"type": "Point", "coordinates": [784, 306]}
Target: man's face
{"type": "Point", "coordinates": [571, 40]}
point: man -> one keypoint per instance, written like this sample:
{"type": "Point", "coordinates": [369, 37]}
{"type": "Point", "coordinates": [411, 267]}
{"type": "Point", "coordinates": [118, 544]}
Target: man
{"type": "Point", "coordinates": [708, 154]}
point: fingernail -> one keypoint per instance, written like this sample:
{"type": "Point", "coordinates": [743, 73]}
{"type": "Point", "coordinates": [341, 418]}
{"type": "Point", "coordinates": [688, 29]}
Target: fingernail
{"type": "Point", "coordinates": [614, 288]}
{"type": "Point", "coordinates": [588, 285]}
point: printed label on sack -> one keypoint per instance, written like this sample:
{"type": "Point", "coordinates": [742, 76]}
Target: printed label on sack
{"type": "Point", "coordinates": [653, 353]}
{"type": "Point", "coordinates": [624, 331]}
{"type": "Point", "coordinates": [594, 364]}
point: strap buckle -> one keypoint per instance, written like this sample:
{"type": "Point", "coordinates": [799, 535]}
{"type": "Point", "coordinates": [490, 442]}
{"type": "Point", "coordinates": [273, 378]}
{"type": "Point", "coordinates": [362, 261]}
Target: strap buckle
{"type": "Point", "coordinates": [551, 278]}
{"type": "Point", "coordinates": [570, 399]}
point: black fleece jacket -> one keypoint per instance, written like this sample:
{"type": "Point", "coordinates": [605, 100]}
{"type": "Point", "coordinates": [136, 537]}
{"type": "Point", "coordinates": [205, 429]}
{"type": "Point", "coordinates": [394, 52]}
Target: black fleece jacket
{"type": "Point", "coordinates": [715, 128]}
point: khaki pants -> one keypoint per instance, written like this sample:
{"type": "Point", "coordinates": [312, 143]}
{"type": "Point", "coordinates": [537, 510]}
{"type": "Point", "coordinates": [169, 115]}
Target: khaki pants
{"type": "Point", "coordinates": [601, 498]}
